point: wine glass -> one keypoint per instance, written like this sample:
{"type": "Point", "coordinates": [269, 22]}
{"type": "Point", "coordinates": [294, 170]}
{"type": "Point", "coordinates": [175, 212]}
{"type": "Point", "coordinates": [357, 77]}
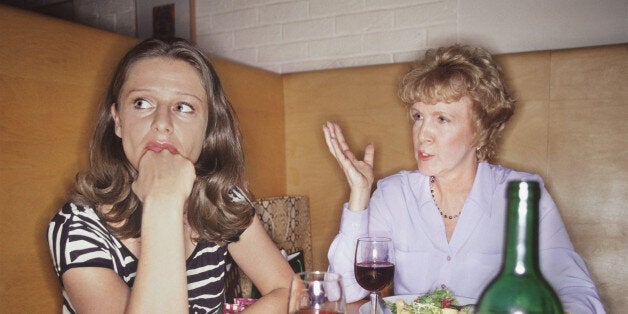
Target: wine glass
{"type": "Point", "coordinates": [316, 292]}
{"type": "Point", "coordinates": [374, 267]}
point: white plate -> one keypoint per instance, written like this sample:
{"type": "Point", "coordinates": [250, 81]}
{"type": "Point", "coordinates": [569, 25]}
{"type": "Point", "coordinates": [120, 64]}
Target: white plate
{"type": "Point", "coordinates": [408, 298]}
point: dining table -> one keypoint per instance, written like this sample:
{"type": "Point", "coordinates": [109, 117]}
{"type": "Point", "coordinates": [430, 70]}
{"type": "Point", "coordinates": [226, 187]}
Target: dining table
{"type": "Point", "coordinates": [354, 307]}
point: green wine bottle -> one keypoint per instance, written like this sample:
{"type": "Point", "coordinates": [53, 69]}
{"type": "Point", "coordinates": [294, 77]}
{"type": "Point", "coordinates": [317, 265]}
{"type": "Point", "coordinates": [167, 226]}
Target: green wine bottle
{"type": "Point", "coordinates": [520, 287]}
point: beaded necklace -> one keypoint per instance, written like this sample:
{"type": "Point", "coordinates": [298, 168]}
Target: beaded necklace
{"type": "Point", "coordinates": [432, 180]}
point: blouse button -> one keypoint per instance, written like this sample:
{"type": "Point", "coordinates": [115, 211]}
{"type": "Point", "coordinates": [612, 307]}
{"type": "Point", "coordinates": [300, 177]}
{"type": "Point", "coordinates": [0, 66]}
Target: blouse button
{"type": "Point", "coordinates": [448, 258]}
{"type": "Point", "coordinates": [443, 286]}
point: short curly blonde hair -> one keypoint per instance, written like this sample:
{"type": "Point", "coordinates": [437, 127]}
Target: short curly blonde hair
{"type": "Point", "coordinates": [447, 74]}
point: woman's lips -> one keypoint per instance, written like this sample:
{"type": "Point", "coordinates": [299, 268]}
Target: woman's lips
{"type": "Point", "coordinates": [158, 147]}
{"type": "Point", "coordinates": [424, 156]}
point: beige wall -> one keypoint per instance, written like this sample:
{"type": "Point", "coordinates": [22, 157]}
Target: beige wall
{"type": "Point", "coordinates": [570, 127]}
{"type": "Point", "coordinates": [50, 80]}
{"type": "Point", "coordinates": [588, 160]}
{"type": "Point", "coordinates": [363, 101]}
{"type": "Point", "coordinates": [257, 97]}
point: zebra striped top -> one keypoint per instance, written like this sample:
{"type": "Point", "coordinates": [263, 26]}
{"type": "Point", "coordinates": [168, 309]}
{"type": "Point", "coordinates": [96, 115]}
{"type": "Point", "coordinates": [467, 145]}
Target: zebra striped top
{"type": "Point", "coordinates": [78, 238]}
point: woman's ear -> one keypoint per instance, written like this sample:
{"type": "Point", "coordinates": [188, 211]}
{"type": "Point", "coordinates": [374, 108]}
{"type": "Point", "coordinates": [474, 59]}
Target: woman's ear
{"type": "Point", "coordinates": [116, 120]}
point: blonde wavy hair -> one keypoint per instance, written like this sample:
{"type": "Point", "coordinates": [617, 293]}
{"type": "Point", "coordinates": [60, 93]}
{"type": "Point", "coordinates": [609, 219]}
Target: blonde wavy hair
{"type": "Point", "coordinates": [447, 74]}
{"type": "Point", "coordinates": [211, 211]}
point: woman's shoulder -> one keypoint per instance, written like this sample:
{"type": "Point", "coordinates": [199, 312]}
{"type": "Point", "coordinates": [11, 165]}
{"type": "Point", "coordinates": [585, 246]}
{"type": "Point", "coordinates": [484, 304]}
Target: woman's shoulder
{"type": "Point", "coordinates": [401, 178]}
{"type": "Point", "coordinates": [402, 182]}
{"type": "Point", "coordinates": [76, 216]}
{"type": "Point", "coordinates": [502, 175]}
{"type": "Point", "coordinates": [78, 238]}
{"type": "Point", "coordinates": [403, 175]}
{"type": "Point", "coordinates": [71, 209]}
{"type": "Point", "coordinates": [208, 251]}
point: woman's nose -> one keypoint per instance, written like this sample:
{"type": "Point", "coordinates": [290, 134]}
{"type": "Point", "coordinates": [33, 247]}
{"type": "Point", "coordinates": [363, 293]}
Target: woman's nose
{"type": "Point", "coordinates": [162, 120]}
{"type": "Point", "coordinates": [423, 132]}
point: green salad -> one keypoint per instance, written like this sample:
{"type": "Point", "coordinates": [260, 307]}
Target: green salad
{"type": "Point", "coordinates": [439, 301]}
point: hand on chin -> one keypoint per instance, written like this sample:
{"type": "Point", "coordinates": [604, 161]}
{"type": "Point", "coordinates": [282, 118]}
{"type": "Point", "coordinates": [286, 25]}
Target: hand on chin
{"type": "Point", "coordinates": [164, 175]}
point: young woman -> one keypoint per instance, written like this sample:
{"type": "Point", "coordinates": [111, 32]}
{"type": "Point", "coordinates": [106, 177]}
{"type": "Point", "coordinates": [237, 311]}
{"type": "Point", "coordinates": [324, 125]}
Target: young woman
{"type": "Point", "coordinates": [149, 225]}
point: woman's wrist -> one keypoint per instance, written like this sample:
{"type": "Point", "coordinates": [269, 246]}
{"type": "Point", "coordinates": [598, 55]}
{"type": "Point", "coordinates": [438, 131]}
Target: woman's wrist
{"type": "Point", "coordinates": [163, 204]}
{"type": "Point", "coordinates": [359, 199]}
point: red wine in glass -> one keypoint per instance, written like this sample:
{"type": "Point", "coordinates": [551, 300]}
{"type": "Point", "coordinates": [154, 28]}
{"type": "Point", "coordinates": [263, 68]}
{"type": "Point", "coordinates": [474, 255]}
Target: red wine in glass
{"type": "Point", "coordinates": [374, 276]}
{"type": "Point", "coordinates": [374, 266]}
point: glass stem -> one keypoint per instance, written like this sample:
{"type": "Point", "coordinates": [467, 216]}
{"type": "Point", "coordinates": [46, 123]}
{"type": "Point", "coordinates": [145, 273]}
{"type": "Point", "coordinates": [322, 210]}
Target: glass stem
{"type": "Point", "coordinates": [375, 303]}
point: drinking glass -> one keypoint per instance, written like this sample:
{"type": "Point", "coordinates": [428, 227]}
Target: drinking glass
{"type": "Point", "coordinates": [316, 292]}
{"type": "Point", "coordinates": [374, 267]}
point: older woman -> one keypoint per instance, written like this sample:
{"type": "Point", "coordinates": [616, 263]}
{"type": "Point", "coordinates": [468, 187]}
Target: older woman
{"type": "Point", "coordinates": [447, 220]}
{"type": "Point", "coordinates": [150, 223]}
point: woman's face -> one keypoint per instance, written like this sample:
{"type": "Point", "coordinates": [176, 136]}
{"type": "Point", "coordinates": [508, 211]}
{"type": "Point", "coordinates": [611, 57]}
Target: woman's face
{"type": "Point", "coordinates": [162, 105]}
{"type": "Point", "coordinates": [444, 138]}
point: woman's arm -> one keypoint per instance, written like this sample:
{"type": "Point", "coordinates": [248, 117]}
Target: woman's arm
{"type": "Point", "coordinates": [163, 184]}
{"type": "Point", "coordinates": [360, 177]}
{"type": "Point", "coordinates": [96, 290]}
{"type": "Point", "coordinates": [341, 252]}
{"type": "Point", "coordinates": [160, 282]}
{"type": "Point", "coordinates": [260, 259]}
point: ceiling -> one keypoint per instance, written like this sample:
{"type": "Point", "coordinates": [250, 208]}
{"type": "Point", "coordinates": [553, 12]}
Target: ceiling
{"type": "Point", "coordinates": [58, 8]}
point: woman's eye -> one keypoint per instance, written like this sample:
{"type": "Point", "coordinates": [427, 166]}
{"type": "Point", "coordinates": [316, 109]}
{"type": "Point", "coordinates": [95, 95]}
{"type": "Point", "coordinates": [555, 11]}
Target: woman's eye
{"type": "Point", "coordinates": [443, 119]}
{"type": "Point", "coordinates": [416, 116]}
{"type": "Point", "coordinates": [184, 107]}
{"type": "Point", "coordinates": [141, 104]}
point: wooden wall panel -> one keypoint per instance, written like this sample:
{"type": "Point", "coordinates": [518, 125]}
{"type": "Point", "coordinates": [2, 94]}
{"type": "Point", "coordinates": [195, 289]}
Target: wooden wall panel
{"type": "Point", "coordinates": [523, 142]}
{"type": "Point", "coordinates": [257, 98]}
{"type": "Point", "coordinates": [362, 100]}
{"type": "Point", "coordinates": [52, 75]}
{"type": "Point", "coordinates": [588, 160]}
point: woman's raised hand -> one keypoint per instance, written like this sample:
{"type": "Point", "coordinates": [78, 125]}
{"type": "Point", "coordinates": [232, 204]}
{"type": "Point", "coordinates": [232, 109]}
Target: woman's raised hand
{"type": "Point", "coordinates": [164, 175]}
{"type": "Point", "coordinates": [359, 173]}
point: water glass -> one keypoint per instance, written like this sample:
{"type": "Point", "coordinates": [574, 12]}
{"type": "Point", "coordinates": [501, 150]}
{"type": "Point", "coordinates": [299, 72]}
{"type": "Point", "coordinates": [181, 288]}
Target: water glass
{"type": "Point", "coordinates": [316, 292]}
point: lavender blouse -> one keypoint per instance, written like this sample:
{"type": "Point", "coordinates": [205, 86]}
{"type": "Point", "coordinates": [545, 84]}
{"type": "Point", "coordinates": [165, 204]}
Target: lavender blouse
{"type": "Point", "coordinates": [402, 208]}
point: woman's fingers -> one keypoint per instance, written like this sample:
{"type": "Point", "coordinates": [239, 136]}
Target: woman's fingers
{"type": "Point", "coordinates": [340, 137]}
{"type": "Point", "coordinates": [369, 154]}
{"type": "Point", "coordinates": [332, 141]}
{"type": "Point", "coordinates": [327, 134]}
{"type": "Point", "coordinates": [164, 174]}
{"type": "Point", "coordinates": [329, 137]}
{"type": "Point", "coordinates": [357, 171]}
{"type": "Point", "coordinates": [337, 145]}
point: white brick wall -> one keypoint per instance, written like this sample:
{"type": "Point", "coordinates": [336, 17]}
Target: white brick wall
{"type": "Point", "coordinates": [299, 35]}
{"type": "Point", "coordinates": [117, 16]}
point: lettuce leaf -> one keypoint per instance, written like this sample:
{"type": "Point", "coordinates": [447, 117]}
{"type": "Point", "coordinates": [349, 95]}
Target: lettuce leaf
{"type": "Point", "coordinates": [436, 297]}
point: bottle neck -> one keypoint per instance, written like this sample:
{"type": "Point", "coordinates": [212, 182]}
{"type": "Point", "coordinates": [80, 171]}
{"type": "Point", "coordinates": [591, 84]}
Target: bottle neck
{"type": "Point", "coordinates": [522, 245]}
